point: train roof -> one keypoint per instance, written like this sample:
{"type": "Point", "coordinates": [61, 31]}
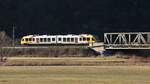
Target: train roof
{"type": "Point", "coordinates": [28, 36]}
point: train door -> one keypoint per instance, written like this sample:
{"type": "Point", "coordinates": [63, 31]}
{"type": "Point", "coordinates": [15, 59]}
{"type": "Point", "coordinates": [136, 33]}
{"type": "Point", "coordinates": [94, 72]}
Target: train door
{"type": "Point", "coordinates": [37, 40]}
{"type": "Point", "coordinates": [76, 40]}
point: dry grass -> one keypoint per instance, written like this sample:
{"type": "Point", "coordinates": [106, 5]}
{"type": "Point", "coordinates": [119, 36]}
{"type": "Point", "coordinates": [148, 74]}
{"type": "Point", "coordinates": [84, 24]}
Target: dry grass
{"type": "Point", "coordinates": [61, 61]}
{"type": "Point", "coordinates": [47, 52]}
{"type": "Point", "coordinates": [111, 58]}
{"type": "Point", "coordinates": [75, 75]}
{"type": "Point", "coordinates": [71, 61]}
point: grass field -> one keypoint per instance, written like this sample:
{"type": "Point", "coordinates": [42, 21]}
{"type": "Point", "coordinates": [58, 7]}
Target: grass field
{"type": "Point", "coordinates": [74, 75]}
{"type": "Point", "coordinates": [72, 61]}
{"type": "Point", "coordinates": [51, 61]}
{"type": "Point", "coordinates": [111, 58]}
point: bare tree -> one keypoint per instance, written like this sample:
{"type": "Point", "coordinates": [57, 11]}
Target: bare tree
{"type": "Point", "coordinates": [4, 41]}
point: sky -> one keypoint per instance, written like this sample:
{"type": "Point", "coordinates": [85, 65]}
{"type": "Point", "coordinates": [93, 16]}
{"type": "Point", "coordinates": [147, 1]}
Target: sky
{"type": "Point", "coordinates": [74, 16]}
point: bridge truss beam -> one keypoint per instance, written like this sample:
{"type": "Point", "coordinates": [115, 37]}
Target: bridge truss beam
{"type": "Point", "coordinates": [131, 40]}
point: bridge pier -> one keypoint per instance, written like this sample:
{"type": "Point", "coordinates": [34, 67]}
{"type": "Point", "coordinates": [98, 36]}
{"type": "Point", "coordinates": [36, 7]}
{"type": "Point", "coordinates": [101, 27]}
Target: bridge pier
{"type": "Point", "coordinates": [98, 48]}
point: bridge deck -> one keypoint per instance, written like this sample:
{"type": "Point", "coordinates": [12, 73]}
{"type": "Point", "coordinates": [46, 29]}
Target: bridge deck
{"type": "Point", "coordinates": [119, 46]}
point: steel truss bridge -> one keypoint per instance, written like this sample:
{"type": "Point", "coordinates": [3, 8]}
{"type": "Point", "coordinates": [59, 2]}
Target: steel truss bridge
{"type": "Point", "coordinates": [131, 40]}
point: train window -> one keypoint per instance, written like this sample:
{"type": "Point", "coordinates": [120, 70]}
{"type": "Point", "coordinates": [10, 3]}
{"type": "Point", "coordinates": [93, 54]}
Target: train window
{"type": "Point", "coordinates": [84, 39]}
{"type": "Point", "coordinates": [53, 39]}
{"type": "Point", "coordinates": [26, 39]}
{"type": "Point", "coordinates": [72, 39]}
{"type": "Point", "coordinates": [88, 39]}
{"type": "Point", "coordinates": [30, 39]}
{"type": "Point", "coordinates": [49, 39]}
{"type": "Point", "coordinates": [80, 39]}
{"type": "Point", "coordinates": [68, 39]}
{"type": "Point", "coordinates": [22, 39]}
{"type": "Point", "coordinates": [59, 39]}
{"type": "Point", "coordinates": [45, 39]}
{"type": "Point", "coordinates": [41, 39]}
{"type": "Point", "coordinates": [64, 39]}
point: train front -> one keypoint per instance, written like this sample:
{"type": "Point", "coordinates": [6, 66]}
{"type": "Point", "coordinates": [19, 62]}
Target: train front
{"type": "Point", "coordinates": [26, 40]}
{"type": "Point", "coordinates": [91, 39]}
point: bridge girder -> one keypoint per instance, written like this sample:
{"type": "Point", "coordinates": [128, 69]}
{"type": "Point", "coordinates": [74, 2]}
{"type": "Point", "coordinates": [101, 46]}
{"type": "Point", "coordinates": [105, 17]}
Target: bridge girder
{"type": "Point", "coordinates": [131, 40]}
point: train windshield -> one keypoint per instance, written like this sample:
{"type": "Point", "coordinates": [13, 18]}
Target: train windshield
{"type": "Point", "coordinates": [22, 39]}
{"type": "Point", "coordinates": [95, 38]}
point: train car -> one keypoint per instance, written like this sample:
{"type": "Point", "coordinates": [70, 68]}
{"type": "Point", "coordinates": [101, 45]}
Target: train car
{"type": "Point", "coordinates": [83, 39]}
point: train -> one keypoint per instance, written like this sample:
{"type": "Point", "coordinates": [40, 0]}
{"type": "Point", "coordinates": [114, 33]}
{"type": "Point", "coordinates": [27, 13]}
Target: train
{"type": "Point", "coordinates": [70, 39]}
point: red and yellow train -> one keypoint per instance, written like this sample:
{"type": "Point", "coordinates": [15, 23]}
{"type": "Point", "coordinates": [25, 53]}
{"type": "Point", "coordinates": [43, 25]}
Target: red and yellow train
{"type": "Point", "coordinates": [82, 39]}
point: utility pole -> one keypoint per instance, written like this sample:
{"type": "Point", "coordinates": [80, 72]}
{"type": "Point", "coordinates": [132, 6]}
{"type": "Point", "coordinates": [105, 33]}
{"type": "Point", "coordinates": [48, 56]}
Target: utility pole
{"type": "Point", "coordinates": [13, 35]}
